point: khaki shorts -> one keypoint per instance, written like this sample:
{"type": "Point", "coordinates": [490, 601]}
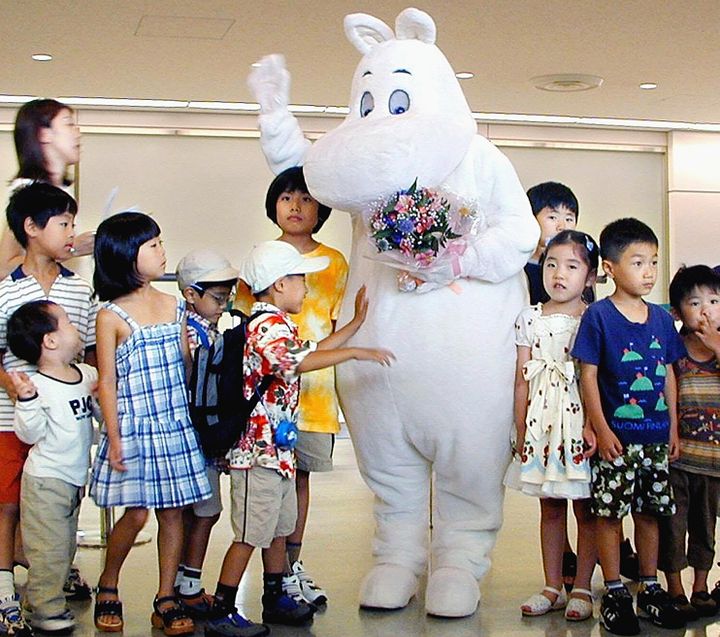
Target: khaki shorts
{"type": "Point", "coordinates": [263, 506]}
{"type": "Point", "coordinates": [213, 505]}
{"type": "Point", "coordinates": [313, 451]}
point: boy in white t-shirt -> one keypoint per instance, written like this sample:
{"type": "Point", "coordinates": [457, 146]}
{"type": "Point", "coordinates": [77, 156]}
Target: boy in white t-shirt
{"type": "Point", "coordinates": [53, 413]}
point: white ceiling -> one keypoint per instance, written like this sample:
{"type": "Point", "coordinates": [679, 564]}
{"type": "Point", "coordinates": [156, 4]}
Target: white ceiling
{"type": "Point", "coordinates": [123, 48]}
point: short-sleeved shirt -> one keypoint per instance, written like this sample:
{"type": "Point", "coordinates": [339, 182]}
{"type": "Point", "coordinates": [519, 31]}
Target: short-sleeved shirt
{"type": "Point", "coordinates": [325, 289]}
{"type": "Point", "coordinates": [631, 359]}
{"type": "Point", "coordinates": [200, 331]}
{"type": "Point", "coordinates": [699, 416]}
{"type": "Point", "coordinates": [272, 348]}
{"type": "Point", "coordinates": [71, 292]}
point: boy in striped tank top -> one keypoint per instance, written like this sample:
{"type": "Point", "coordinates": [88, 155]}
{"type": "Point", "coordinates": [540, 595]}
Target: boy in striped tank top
{"type": "Point", "coordinates": [42, 218]}
{"type": "Point", "coordinates": [695, 476]}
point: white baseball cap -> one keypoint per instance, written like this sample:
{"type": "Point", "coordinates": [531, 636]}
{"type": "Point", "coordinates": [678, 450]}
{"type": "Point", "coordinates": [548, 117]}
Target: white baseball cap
{"type": "Point", "coordinates": [203, 266]}
{"type": "Point", "coordinates": [272, 260]}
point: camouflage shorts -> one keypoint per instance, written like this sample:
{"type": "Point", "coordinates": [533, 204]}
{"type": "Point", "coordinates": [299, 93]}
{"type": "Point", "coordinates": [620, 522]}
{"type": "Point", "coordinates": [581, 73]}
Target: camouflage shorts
{"type": "Point", "coordinates": [638, 480]}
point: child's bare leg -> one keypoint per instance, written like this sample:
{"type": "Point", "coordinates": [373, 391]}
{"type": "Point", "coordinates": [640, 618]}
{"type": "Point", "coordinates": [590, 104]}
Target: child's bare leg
{"type": "Point", "coordinates": [646, 543]}
{"type": "Point", "coordinates": [608, 532]}
{"type": "Point", "coordinates": [553, 527]}
{"type": "Point", "coordinates": [197, 540]}
{"type": "Point", "coordinates": [9, 517]}
{"type": "Point", "coordinates": [170, 544]}
{"type": "Point", "coordinates": [294, 540]}
{"type": "Point", "coordinates": [586, 544]}
{"type": "Point", "coordinates": [274, 556]}
{"type": "Point", "coordinates": [700, 582]}
{"type": "Point", "coordinates": [674, 583]}
{"type": "Point", "coordinates": [235, 563]}
{"type": "Point", "coordinates": [19, 557]}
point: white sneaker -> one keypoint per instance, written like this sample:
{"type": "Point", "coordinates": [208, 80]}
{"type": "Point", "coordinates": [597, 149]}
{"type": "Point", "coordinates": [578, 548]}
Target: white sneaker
{"type": "Point", "coordinates": [12, 622]}
{"type": "Point", "coordinates": [309, 589]}
{"type": "Point", "coordinates": [59, 624]}
{"type": "Point", "coordinates": [291, 588]}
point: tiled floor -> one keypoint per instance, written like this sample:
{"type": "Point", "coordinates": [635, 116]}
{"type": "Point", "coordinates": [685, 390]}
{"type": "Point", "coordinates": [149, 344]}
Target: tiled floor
{"type": "Point", "coordinates": [337, 553]}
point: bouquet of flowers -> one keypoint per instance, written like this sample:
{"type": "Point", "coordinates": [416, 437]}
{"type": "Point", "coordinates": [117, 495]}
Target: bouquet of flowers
{"type": "Point", "coordinates": [419, 229]}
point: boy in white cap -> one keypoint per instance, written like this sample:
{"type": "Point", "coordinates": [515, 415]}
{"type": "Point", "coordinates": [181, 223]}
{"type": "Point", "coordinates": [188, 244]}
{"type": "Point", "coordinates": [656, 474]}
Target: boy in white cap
{"type": "Point", "coordinates": [206, 280]}
{"type": "Point", "coordinates": [262, 463]}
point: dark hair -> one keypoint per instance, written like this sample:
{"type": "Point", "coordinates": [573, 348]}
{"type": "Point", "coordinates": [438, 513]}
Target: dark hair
{"type": "Point", "coordinates": [117, 243]}
{"type": "Point", "coordinates": [291, 180]}
{"type": "Point", "coordinates": [31, 117]}
{"type": "Point", "coordinates": [618, 235]}
{"type": "Point", "coordinates": [26, 328]}
{"type": "Point", "coordinates": [38, 201]}
{"type": "Point", "coordinates": [551, 194]}
{"type": "Point", "coordinates": [589, 252]}
{"type": "Point", "coordinates": [686, 279]}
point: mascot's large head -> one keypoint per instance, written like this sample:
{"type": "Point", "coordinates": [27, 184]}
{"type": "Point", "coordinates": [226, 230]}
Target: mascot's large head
{"type": "Point", "coordinates": [408, 117]}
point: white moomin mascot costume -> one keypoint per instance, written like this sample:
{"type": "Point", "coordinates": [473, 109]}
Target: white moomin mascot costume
{"type": "Point", "coordinates": [445, 406]}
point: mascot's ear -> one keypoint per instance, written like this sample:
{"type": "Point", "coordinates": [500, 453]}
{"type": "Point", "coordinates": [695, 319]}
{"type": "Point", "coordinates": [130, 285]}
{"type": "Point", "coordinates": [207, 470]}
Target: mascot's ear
{"type": "Point", "coordinates": [364, 31]}
{"type": "Point", "coordinates": [413, 24]}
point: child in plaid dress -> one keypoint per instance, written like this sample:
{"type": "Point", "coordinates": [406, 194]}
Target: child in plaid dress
{"type": "Point", "coordinates": [148, 456]}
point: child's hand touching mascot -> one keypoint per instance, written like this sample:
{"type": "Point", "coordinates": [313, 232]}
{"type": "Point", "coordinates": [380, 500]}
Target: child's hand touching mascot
{"type": "Point", "coordinates": [446, 405]}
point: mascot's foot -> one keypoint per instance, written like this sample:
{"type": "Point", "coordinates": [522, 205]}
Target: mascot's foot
{"type": "Point", "coordinates": [451, 592]}
{"type": "Point", "coordinates": [388, 587]}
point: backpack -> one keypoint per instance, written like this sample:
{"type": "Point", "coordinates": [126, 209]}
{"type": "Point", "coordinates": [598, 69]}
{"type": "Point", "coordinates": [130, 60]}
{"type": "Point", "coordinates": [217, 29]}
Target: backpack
{"type": "Point", "coordinates": [218, 408]}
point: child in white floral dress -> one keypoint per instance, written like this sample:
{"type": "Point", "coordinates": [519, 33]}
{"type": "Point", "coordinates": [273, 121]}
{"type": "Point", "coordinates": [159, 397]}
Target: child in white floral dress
{"type": "Point", "coordinates": [551, 461]}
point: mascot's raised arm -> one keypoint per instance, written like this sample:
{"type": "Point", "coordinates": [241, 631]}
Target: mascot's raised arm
{"type": "Point", "coordinates": [445, 407]}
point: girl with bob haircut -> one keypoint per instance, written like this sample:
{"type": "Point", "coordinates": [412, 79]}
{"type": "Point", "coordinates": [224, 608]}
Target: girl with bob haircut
{"type": "Point", "coordinates": [292, 180]}
{"type": "Point", "coordinates": [148, 456]}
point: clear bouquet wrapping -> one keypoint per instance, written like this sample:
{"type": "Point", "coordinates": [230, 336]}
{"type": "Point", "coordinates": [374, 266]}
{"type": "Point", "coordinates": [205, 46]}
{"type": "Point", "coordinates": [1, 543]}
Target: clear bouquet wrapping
{"type": "Point", "coordinates": [419, 231]}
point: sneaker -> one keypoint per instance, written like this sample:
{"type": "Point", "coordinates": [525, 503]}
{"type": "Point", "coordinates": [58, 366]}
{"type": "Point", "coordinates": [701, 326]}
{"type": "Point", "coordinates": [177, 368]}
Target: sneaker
{"type": "Point", "coordinates": [704, 604]}
{"type": "Point", "coordinates": [309, 589]}
{"type": "Point", "coordinates": [291, 588]}
{"type": "Point", "coordinates": [716, 593]}
{"type": "Point", "coordinates": [198, 606]}
{"type": "Point", "coordinates": [285, 610]}
{"type": "Point", "coordinates": [655, 604]}
{"type": "Point", "coordinates": [234, 625]}
{"type": "Point", "coordinates": [617, 615]}
{"type": "Point", "coordinates": [687, 608]}
{"type": "Point", "coordinates": [629, 563]}
{"type": "Point", "coordinates": [76, 589]}
{"type": "Point", "coordinates": [62, 624]}
{"type": "Point", "coordinates": [12, 620]}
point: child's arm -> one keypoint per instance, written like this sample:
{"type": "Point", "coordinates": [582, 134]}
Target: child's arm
{"type": "Point", "coordinates": [671, 402]}
{"type": "Point", "coordinates": [5, 380]}
{"type": "Point", "coordinates": [608, 444]}
{"type": "Point", "coordinates": [522, 390]}
{"type": "Point", "coordinates": [319, 359]}
{"type": "Point", "coordinates": [709, 336]}
{"type": "Point", "coordinates": [107, 340]}
{"type": "Point", "coordinates": [30, 417]}
{"type": "Point", "coordinates": [340, 337]}
{"type": "Point", "coordinates": [185, 346]}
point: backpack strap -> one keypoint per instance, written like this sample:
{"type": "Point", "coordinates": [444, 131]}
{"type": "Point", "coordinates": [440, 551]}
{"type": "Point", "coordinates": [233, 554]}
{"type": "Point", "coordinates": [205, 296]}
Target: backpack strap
{"type": "Point", "coordinates": [202, 334]}
{"type": "Point", "coordinates": [266, 380]}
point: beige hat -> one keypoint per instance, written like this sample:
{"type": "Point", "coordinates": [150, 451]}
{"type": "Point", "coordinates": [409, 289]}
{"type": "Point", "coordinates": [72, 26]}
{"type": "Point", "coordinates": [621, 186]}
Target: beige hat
{"type": "Point", "coordinates": [272, 260]}
{"type": "Point", "coordinates": [203, 266]}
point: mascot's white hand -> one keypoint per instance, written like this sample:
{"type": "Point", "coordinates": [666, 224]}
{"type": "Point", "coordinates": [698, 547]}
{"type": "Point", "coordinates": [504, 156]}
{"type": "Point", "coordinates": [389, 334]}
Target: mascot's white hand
{"type": "Point", "coordinates": [269, 83]}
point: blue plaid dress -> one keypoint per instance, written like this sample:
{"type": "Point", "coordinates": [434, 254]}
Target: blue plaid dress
{"type": "Point", "coordinates": [165, 467]}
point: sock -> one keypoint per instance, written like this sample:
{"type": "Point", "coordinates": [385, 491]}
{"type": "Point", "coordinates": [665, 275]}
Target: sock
{"type": "Point", "coordinates": [190, 583]}
{"type": "Point", "coordinates": [179, 575]}
{"type": "Point", "coordinates": [272, 584]}
{"type": "Point", "coordinates": [646, 581]}
{"type": "Point", "coordinates": [225, 595]}
{"type": "Point", "coordinates": [613, 584]}
{"type": "Point", "coordinates": [293, 553]}
{"type": "Point", "coordinates": [7, 584]}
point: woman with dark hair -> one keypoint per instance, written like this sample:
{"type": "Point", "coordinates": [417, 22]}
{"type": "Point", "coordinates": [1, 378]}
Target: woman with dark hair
{"type": "Point", "coordinates": [47, 143]}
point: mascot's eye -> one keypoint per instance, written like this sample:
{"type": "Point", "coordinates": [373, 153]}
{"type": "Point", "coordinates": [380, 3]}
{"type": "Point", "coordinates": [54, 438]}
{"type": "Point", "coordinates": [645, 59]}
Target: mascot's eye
{"type": "Point", "coordinates": [367, 104]}
{"type": "Point", "coordinates": [399, 102]}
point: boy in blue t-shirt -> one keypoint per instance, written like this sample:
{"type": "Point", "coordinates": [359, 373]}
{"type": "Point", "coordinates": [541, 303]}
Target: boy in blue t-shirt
{"type": "Point", "coordinates": [626, 347]}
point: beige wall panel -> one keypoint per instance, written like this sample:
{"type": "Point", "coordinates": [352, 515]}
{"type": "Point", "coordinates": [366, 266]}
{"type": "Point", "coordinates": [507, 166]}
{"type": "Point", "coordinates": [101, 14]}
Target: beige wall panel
{"type": "Point", "coordinates": [695, 228]}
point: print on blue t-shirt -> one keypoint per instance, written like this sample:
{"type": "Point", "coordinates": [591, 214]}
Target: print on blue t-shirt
{"type": "Point", "coordinates": [631, 359]}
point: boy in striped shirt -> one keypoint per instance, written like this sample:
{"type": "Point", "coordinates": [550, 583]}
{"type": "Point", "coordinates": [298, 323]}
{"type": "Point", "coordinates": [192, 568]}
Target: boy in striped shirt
{"type": "Point", "coordinates": [42, 218]}
{"type": "Point", "coordinates": [695, 476]}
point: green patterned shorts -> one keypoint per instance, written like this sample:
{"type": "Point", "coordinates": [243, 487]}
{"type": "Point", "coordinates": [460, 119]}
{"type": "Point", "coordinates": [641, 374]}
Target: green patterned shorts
{"type": "Point", "coordinates": [638, 480]}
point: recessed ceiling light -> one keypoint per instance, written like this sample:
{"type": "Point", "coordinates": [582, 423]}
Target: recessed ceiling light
{"type": "Point", "coordinates": [42, 57]}
{"type": "Point", "coordinates": [464, 75]}
{"type": "Point", "coordinates": [566, 82]}
{"type": "Point", "coordinates": [648, 86]}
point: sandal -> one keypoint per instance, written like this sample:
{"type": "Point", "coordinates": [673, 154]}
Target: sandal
{"type": "Point", "coordinates": [538, 604]}
{"type": "Point", "coordinates": [569, 569]}
{"type": "Point", "coordinates": [108, 608]}
{"type": "Point", "coordinates": [198, 605]}
{"type": "Point", "coordinates": [173, 620]}
{"type": "Point", "coordinates": [579, 609]}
